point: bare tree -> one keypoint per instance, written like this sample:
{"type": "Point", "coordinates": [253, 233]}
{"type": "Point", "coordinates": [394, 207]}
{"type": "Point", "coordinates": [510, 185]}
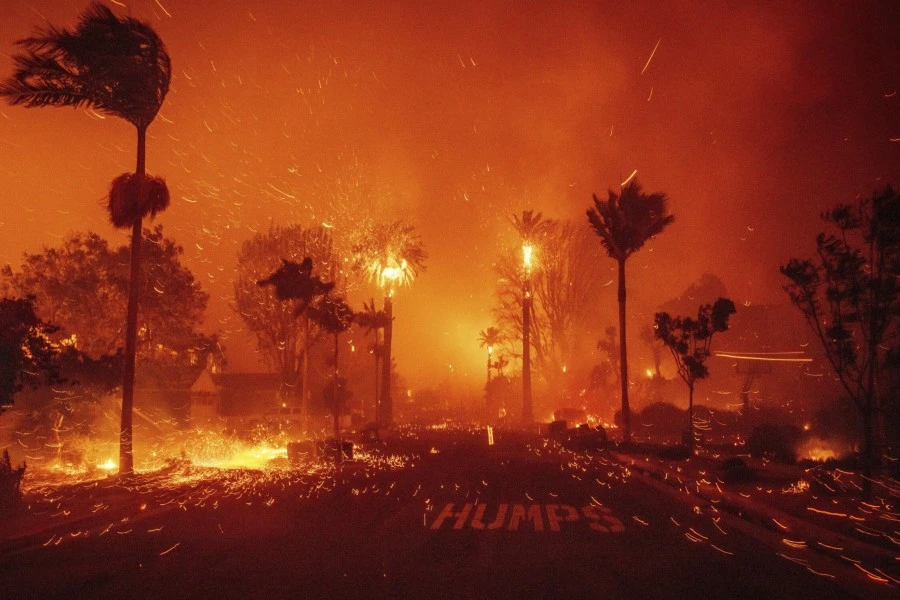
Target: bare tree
{"type": "Point", "coordinates": [566, 289]}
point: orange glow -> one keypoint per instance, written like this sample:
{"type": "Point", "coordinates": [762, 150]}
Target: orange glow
{"type": "Point", "coordinates": [320, 123]}
{"type": "Point", "coordinates": [391, 275]}
{"type": "Point", "coordinates": [527, 256]}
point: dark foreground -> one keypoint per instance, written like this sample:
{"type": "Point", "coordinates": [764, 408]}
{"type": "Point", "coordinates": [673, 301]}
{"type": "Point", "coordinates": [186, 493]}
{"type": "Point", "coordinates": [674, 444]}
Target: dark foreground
{"type": "Point", "coordinates": [515, 520]}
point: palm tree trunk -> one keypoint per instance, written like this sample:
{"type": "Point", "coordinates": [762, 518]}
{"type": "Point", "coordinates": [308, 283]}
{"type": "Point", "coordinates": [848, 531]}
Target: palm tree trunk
{"type": "Point", "coordinates": [126, 430]}
{"type": "Point", "coordinates": [386, 414]}
{"type": "Point", "coordinates": [304, 385]}
{"type": "Point", "coordinates": [527, 408]}
{"type": "Point", "coordinates": [623, 357]}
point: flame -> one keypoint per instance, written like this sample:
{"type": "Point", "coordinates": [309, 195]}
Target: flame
{"type": "Point", "coordinates": [391, 274]}
{"type": "Point", "coordinates": [527, 256]}
{"type": "Point", "coordinates": [109, 465]}
{"type": "Point", "coordinates": [818, 450]}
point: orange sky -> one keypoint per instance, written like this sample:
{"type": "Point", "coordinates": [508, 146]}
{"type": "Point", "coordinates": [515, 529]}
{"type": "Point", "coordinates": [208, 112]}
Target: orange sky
{"type": "Point", "coordinates": [455, 115]}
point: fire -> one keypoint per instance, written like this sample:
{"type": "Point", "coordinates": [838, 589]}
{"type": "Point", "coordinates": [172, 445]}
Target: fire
{"type": "Point", "coordinates": [109, 465]}
{"type": "Point", "coordinates": [816, 449]}
{"type": "Point", "coordinates": [820, 454]}
{"type": "Point", "coordinates": [391, 273]}
{"type": "Point", "coordinates": [527, 252]}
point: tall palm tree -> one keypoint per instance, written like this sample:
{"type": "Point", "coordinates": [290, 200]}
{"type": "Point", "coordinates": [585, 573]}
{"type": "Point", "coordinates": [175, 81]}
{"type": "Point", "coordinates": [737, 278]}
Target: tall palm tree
{"type": "Point", "coordinates": [393, 256]}
{"type": "Point", "coordinates": [625, 222]}
{"type": "Point", "coordinates": [119, 67]}
{"type": "Point", "coordinates": [295, 281]}
{"type": "Point", "coordinates": [373, 320]}
{"type": "Point", "coordinates": [334, 316]}
{"type": "Point", "coordinates": [488, 338]}
{"type": "Point", "coordinates": [530, 228]}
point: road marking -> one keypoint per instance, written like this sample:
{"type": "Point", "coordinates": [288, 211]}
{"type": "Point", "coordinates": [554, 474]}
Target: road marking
{"type": "Point", "coordinates": [512, 517]}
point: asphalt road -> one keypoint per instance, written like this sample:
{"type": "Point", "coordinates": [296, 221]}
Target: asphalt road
{"type": "Point", "coordinates": [460, 519]}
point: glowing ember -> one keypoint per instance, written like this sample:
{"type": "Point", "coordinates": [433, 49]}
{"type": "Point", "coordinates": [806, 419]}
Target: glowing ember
{"type": "Point", "coordinates": [818, 450]}
{"type": "Point", "coordinates": [109, 465]}
{"type": "Point", "coordinates": [527, 256]}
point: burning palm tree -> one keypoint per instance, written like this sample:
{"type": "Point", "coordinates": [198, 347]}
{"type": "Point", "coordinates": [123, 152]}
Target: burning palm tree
{"type": "Point", "coordinates": [488, 338]}
{"type": "Point", "coordinates": [529, 227]}
{"type": "Point", "coordinates": [624, 222]}
{"type": "Point", "coordinates": [392, 258]}
{"type": "Point", "coordinates": [119, 67]}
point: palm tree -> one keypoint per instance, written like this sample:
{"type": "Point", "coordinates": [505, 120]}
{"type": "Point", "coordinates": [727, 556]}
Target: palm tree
{"type": "Point", "coordinates": [119, 67]}
{"type": "Point", "coordinates": [373, 319]}
{"type": "Point", "coordinates": [393, 256]}
{"type": "Point", "coordinates": [334, 316]}
{"type": "Point", "coordinates": [489, 338]}
{"type": "Point", "coordinates": [295, 281]}
{"type": "Point", "coordinates": [500, 364]}
{"type": "Point", "coordinates": [529, 227]}
{"type": "Point", "coordinates": [624, 223]}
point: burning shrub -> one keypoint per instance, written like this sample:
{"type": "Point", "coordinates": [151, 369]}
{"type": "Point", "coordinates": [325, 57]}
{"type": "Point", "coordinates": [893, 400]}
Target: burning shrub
{"type": "Point", "coordinates": [778, 442]}
{"type": "Point", "coordinates": [10, 481]}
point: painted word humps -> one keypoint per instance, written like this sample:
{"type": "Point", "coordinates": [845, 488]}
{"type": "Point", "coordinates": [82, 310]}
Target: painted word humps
{"type": "Point", "coordinates": [511, 516]}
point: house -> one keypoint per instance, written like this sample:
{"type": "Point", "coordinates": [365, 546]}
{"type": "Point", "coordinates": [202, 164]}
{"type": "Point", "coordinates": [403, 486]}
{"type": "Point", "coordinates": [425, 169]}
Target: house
{"type": "Point", "coordinates": [234, 397]}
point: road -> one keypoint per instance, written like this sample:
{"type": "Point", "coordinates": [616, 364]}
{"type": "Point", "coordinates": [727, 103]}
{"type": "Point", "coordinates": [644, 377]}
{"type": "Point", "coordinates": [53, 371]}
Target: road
{"type": "Point", "coordinates": [455, 519]}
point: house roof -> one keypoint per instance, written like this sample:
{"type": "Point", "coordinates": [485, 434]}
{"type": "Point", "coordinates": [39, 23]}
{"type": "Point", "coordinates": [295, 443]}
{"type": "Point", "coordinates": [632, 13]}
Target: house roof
{"type": "Point", "coordinates": [205, 384]}
{"type": "Point", "coordinates": [247, 381]}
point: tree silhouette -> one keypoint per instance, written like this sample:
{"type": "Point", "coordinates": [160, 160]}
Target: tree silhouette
{"type": "Point", "coordinates": [373, 320]}
{"type": "Point", "coordinates": [335, 316]}
{"type": "Point", "coordinates": [295, 281]}
{"type": "Point", "coordinates": [83, 270]}
{"type": "Point", "coordinates": [489, 338]}
{"type": "Point", "coordinates": [564, 286]}
{"type": "Point", "coordinates": [648, 336]}
{"type": "Point", "coordinates": [119, 67]}
{"type": "Point", "coordinates": [530, 228]}
{"type": "Point", "coordinates": [689, 341]}
{"type": "Point", "coordinates": [624, 222]}
{"type": "Point", "coordinates": [605, 374]}
{"type": "Point", "coordinates": [280, 335]}
{"type": "Point", "coordinates": [393, 256]}
{"type": "Point", "coordinates": [25, 348]}
{"type": "Point", "coordinates": [850, 296]}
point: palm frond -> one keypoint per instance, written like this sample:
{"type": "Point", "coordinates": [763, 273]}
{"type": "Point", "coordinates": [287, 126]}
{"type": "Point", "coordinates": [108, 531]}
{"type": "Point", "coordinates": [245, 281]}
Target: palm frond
{"type": "Point", "coordinates": [132, 198]}
{"type": "Point", "coordinates": [116, 66]}
{"type": "Point", "coordinates": [625, 221]}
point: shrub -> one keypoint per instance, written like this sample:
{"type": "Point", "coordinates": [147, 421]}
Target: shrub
{"type": "Point", "coordinates": [778, 442]}
{"type": "Point", "coordinates": [735, 470]}
{"type": "Point", "coordinates": [10, 482]}
{"type": "Point", "coordinates": [664, 417]}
